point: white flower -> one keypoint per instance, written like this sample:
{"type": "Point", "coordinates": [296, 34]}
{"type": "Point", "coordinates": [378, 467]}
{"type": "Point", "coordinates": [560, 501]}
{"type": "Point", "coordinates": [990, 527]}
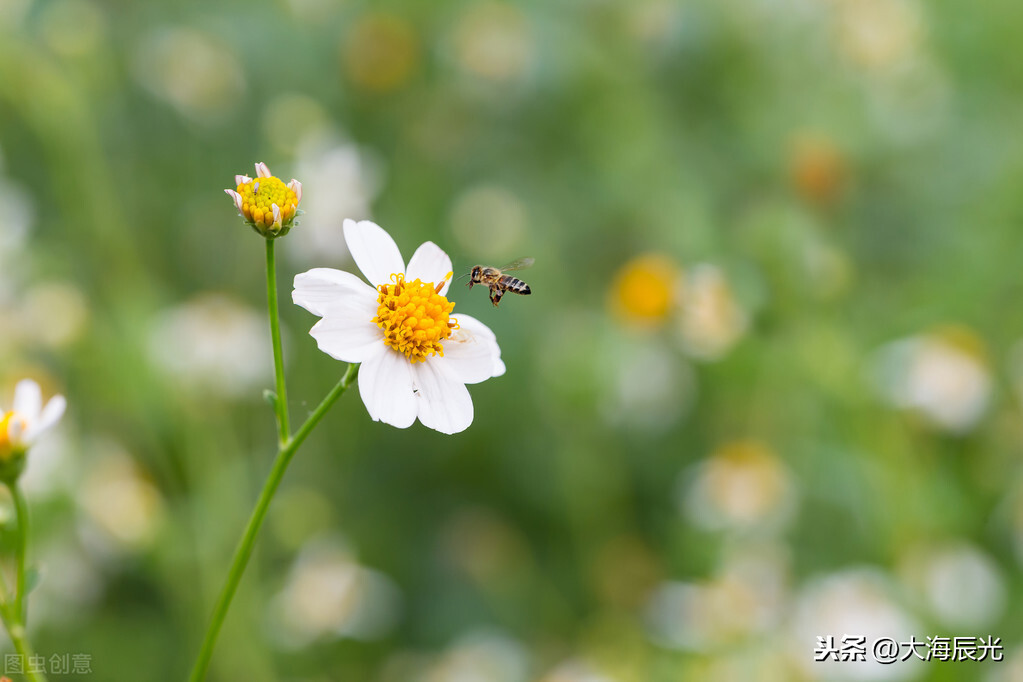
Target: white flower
{"type": "Point", "coordinates": [27, 419]}
{"type": "Point", "coordinates": [416, 358]}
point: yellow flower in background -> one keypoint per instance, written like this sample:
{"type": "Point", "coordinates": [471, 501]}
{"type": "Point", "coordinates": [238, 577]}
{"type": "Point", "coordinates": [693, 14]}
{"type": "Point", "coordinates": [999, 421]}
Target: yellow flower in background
{"type": "Point", "coordinates": [266, 203]}
{"type": "Point", "coordinates": [645, 289]}
{"type": "Point", "coordinates": [380, 52]}
{"type": "Point", "coordinates": [817, 170]}
{"type": "Point", "coordinates": [24, 423]}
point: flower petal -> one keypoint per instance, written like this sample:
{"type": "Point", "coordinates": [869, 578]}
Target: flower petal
{"type": "Point", "coordinates": [296, 187]}
{"type": "Point", "coordinates": [444, 402]}
{"type": "Point", "coordinates": [482, 333]}
{"type": "Point", "coordinates": [15, 430]}
{"type": "Point", "coordinates": [262, 170]}
{"type": "Point", "coordinates": [385, 384]}
{"type": "Point", "coordinates": [241, 179]}
{"type": "Point", "coordinates": [320, 288]}
{"type": "Point", "coordinates": [236, 197]}
{"type": "Point", "coordinates": [346, 334]}
{"type": "Point", "coordinates": [28, 400]}
{"type": "Point", "coordinates": [471, 352]}
{"type": "Point", "coordinates": [430, 264]}
{"type": "Point", "coordinates": [373, 250]}
{"type": "Point", "coordinates": [50, 415]}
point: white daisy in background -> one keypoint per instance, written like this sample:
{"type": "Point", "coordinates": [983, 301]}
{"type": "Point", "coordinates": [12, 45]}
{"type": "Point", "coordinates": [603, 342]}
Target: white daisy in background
{"type": "Point", "coordinates": [416, 358]}
{"type": "Point", "coordinates": [26, 420]}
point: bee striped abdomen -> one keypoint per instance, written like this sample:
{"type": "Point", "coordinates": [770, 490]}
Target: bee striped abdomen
{"type": "Point", "coordinates": [514, 285]}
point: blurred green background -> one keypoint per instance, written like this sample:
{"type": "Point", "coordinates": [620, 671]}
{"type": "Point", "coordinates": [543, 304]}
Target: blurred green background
{"type": "Point", "coordinates": [767, 387]}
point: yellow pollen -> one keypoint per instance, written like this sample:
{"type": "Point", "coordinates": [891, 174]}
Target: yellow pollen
{"type": "Point", "coordinates": [259, 196]}
{"type": "Point", "coordinates": [415, 317]}
{"type": "Point", "coordinates": [5, 438]}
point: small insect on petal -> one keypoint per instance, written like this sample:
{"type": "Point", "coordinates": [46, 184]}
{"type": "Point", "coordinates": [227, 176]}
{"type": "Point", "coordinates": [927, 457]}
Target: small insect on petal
{"type": "Point", "coordinates": [262, 170]}
{"type": "Point", "coordinates": [296, 187]}
{"type": "Point", "coordinates": [237, 198]}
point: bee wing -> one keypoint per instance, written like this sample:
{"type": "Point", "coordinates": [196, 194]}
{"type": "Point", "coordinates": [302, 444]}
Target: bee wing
{"type": "Point", "coordinates": [520, 264]}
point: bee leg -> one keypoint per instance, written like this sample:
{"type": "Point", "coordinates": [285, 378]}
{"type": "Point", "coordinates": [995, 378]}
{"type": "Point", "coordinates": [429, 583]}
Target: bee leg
{"type": "Point", "coordinates": [495, 296]}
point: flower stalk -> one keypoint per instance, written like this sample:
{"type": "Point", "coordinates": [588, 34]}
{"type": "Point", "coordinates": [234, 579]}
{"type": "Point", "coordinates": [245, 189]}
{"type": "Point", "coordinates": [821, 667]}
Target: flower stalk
{"type": "Point", "coordinates": [269, 206]}
{"type": "Point", "coordinates": [281, 399]}
{"type": "Point", "coordinates": [12, 608]}
{"type": "Point", "coordinates": [244, 549]}
{"type": "Point", "coordinates": [21, 517]}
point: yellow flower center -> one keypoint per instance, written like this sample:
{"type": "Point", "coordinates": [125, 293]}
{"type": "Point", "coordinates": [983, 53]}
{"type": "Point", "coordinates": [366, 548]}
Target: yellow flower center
{"type": "Point", "coordinates": [259, 196]}
{"type": "Point", "coordinates": [415, 317]}
{"type": "Point", "coordinates": [6, 447]}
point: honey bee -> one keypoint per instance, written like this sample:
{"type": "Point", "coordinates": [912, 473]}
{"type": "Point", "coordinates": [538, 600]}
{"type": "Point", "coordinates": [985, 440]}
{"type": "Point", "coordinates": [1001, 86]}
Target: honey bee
{"type": "Point", "coordinates": [498, 281]}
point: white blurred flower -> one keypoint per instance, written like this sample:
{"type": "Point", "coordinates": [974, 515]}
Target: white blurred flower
{"type": "Point", "coordinates": [328, 595]}
{"type": "Point", "coordinates": [416, 359]}
{"type": "Point", "coordinates": [1009, 671]}
{"type": "Point", "coordinates": [651, 390]}
{"type": "Point", "coordinates": [746, 597]}
{"type": "Point", "coordinates": [481, 656]}
{"type": "Point", "coordinates": [857, 603]}
{"type": "Point", "coordinates": [576, 670]}
{"type": "Point", "coordinates": [54, 314]}
{"type": "Point", "coordinates": [941, 375]}
{"type": "Point", "coordinates": [123, 508]}
{"type": "Point", "coordinates": [341, 181]}
{"type": "Point", "coordinates": [27, 419]}
{"type": "Point", "coordinates": [712, 320]}
{"type": "Point", "coordinates": [492, 40]}
{"type": "Point", "coordinates": [962, 586]}
{"type": "Point", "coordinates": [212, 343]}
{"type": "Point", "coordinates": [742, 485]}
{"type": "Point", "coordinates": [191, 70]}
{"type": "Point", "coordinates": [878, 34]}
{"type": "Point", "coordinates": [52, 469]}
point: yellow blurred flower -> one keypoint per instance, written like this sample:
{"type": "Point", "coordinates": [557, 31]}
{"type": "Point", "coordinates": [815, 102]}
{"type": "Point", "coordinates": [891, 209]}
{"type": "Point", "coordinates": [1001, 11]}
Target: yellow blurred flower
{"type": "Point", "coordinates": [645, 289]}
{"type": "Point", "coordinates": [381, 52]}
{"type": "Point", "coordinates": [817, 170]}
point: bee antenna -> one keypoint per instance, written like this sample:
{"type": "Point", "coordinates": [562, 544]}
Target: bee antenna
{"type": "Point", "coordinates": [463, 276]}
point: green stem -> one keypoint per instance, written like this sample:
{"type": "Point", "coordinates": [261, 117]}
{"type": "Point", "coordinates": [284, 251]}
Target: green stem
{"type": "Point", "coordinates": [21, 538]}
{"type": "Point", "coordinates": [244, 549]}
{"type": "Point", "coordinates": [16, 630]}
{"type": "Point", "coordinates": [283, 429]}
{"type": "Point", "coordinates": [13, 614]}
